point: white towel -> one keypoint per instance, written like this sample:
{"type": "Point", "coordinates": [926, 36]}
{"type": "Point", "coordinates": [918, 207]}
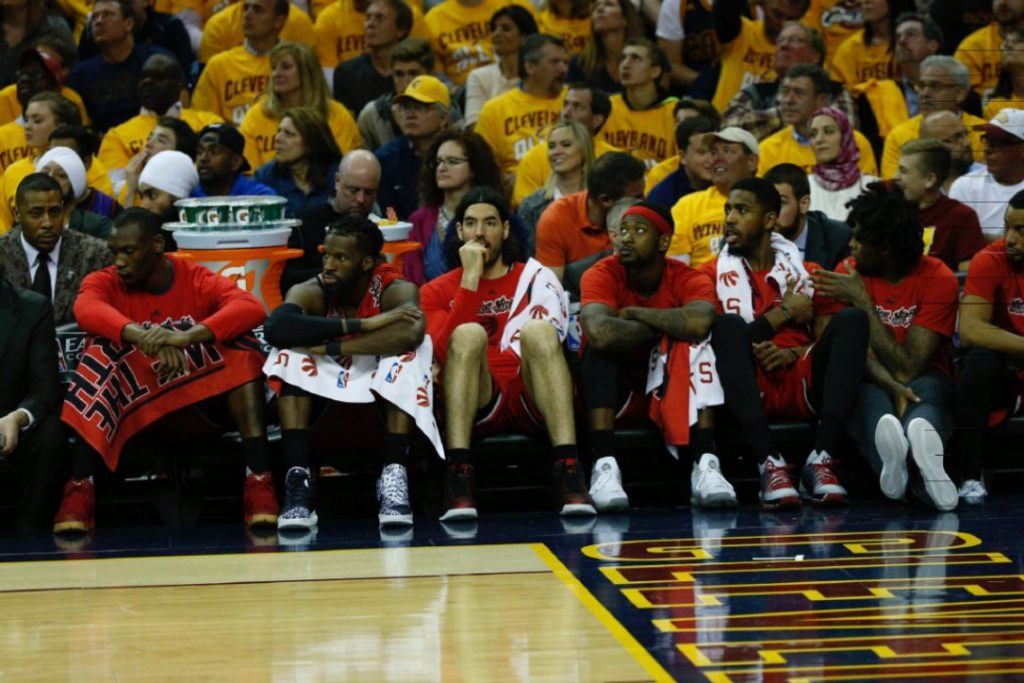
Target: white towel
{"type": "Point", "coordinates": [404, 381]}
{"type": "Point", "coordinates": [539, 296]}
{"type": "Point", "coordinates": [732, 283]}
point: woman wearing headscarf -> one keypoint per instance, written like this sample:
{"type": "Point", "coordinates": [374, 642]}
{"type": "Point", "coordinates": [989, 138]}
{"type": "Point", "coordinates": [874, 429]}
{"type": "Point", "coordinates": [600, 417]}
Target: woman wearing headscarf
{"type": "Point", "coordinates": [836, 177]}
{"type": "Point", "coordinates": [65, 166]}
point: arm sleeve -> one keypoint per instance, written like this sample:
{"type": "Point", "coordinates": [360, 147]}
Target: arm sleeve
{"type": "Point", "coordinates": [937, 311]}
{"type": "Point", "coordinates": [204, 96]}
{"type": "Point", "coordinates": [598, 286]}
{"type": "Point", "coordinates": [345, 130]}
{"type": "Point", "coordinates": [694, 285]}
{"type": "Point", "coordinates": [475, 97]}
{"type": "Point", "coordinates": [682, 236]}
{"type": "Point", "coordinates": [549, 245]}
{"type": "Point", "coordinates": [213, 42]}
{"type": "Point", "coordinates": [442, 321]}
{"type": "Point", "coordinates": [288, 327]}
{"type": "Point", "coordinates": [326, 40]}
{"type": "Point", "coordinates": [94, 311]}
{"type": "Point", "coordinates": [43, 396]}
{"type": "Point", "coordinates": [114, 153]}
{"type": "Point", "coordinates": [238, 311]}
{"type": "Point", "coordinates": [983, 277]}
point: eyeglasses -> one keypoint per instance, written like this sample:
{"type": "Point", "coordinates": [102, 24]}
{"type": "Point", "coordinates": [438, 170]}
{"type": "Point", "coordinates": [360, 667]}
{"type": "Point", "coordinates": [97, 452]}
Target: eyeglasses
{"type": "Point", "coordinates": [447, 161]}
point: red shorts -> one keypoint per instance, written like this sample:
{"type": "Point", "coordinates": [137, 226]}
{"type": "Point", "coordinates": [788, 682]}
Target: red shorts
{"type": "Point", "coordinates": [510, 409]}
{"type": "Point", "coordinates": [1013, 405]}
{"type": "Point", "coordinates": [786, 393]}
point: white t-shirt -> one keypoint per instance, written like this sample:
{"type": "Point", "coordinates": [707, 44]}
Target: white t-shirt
{"type": "Point", "coordinates": [981, 192]}
{"type": "Point", "coordinates": [670, 23]}
{"type": "Point", "coordinates": [833, 202]}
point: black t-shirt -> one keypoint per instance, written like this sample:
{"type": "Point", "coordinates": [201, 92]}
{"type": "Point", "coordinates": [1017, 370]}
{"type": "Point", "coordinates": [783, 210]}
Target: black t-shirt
{"type": "Point", "coordinates": [356, 83]}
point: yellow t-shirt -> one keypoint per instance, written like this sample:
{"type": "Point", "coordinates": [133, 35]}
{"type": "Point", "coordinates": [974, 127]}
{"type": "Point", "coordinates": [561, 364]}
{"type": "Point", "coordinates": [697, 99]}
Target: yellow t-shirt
{"type": "Point", "coordinates": [783, 147]}
{"type": "Point", "coordinates": [123, 142]}
{"type": "Point", "coordinates": [834, 21]}
{"type": "Point", "coordinates": [259, 129]}
{"type": "Point", "coordinates": [10, 107]}
{"type": "Point", "coordinates": [749, 58]}
{"type": "Point", "coordinates": [649, 135]}
{"type": "Point", "coordinates": [224, 31]}
{"type": "Point", "coordinates": [340, 31]}
{"type": "Point", "coordinates": [13, 145]}
{"type": "Point", "coordinates": [886, 100]}
{"type": "Point", "coordinates": [699, 219]}
{"type": "Point", "coordinates": [661, 171]}
{"type": "Point", "coordinates": [855, 62]}
{"type": "Point", "coordinates": [981, 53]}
{"type": "Point", "coordinates": [461, 36]}
{"type": "Point", "coordinates": [535, 168]}
{"type": "Point", "coordinates": [230, 83]}
{"type": "Point", "coordinates": [575, 32]}
{"type": "Point", "coordinates": [993, 107]}
{"type": "Point", "coordinates": [514, 121]}
{"type": "Point", "coordinates": [178, 6]}
{"type": "Point", "coordinates": [97, 178]}
{"type": "Point", "coordinates": [911, 130]}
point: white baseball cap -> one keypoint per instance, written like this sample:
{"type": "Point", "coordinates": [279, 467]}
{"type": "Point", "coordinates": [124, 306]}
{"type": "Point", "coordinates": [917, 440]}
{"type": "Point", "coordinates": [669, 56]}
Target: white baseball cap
{"type": "Point", "coordinates": [738, 135]}
{"type": "Point", "coordinates": [1008, 122]}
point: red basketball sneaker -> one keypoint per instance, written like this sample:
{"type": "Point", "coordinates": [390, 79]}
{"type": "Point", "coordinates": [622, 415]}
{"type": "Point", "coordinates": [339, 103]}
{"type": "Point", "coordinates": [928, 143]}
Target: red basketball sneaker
{"type": "Point", "coordinates": [77, 508]}
{"type": "Point", "coordinates": [259, 500]}
{"type": "Point", "coordinates": [572, 488]}
{"type": "Point", "coordinates": [776, 485]}
{"type": "Point", "coordinates": [459, 493]}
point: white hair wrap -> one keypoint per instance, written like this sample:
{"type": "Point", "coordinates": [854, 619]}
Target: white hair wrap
{"type": "Point", "coordinates": [67, 159]}
{"type": "Point", "coordinates": [171, 171]}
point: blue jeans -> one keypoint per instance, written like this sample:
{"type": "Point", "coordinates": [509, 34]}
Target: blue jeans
{"type": "Point", "coordinates": [934, 388]}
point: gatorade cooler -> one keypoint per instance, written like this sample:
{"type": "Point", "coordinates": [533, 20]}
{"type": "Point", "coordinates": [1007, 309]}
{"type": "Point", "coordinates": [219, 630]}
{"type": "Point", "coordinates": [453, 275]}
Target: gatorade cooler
{"type": "Point", "coordinates": [254, 259]}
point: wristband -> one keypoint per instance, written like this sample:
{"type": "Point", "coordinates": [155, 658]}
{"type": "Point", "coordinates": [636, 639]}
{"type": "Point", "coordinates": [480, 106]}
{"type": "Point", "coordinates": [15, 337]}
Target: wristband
{"type": "Point", "coordinates": [782, 307]}
{"type": "Point", "coordinates": [333, 348]}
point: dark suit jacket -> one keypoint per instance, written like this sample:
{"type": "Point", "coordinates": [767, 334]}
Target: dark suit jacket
{"type": "Point", "coordinates": [828, 241]}
{"type": "Point", "coordinates": [28, 353]}
{"type": "Point", "coordinates": [79, 256]}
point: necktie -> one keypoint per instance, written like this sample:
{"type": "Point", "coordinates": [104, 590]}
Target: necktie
{"type": "Point", "coordinates": [41, 282]}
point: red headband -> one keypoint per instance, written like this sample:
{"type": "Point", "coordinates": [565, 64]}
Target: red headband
{"type": "Point", "coordinates": [663, 226]}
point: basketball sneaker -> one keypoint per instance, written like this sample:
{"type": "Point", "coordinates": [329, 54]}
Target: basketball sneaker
{"type": "Point", "coordinates": [298, 510]}
{"type": "Point", "coordinates": [572, 488]}
{"type": "Point", "coordinates": [776, 485]}
{"type": "Point", "coordinates": [606, 486]}
{"type": "Point", "coordinates": [973, 492]}
{"type": "Point", "coordinates": [892, 447]}
{"type": "Point", "coordinates": [259, 499]}
{"type": "Point", "coordinates": [459, 493]}
{"type": "Point", "coordinates": [393, 494]}
{"type": "Point", "coordinates": [819, 483]}
{"type": "Point", "coordinates": [708, 487]}
{"type": "Point", "coordinates": [77, 508]}
{"type": "Point", "coordinates": [927, 451]}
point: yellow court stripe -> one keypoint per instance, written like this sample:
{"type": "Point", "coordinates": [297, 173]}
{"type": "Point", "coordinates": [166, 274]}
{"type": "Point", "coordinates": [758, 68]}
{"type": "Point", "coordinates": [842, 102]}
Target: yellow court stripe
{"type": "Point", "coordinates": [625, 638]}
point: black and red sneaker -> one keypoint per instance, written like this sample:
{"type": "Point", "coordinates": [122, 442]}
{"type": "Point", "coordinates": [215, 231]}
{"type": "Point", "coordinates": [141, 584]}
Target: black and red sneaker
{"type": "Point", "coordinates": [459, 493]}
{"type": "Point", "coordinates": [572, 487]}
{"type": "Point", "coordinates": [77, 508]}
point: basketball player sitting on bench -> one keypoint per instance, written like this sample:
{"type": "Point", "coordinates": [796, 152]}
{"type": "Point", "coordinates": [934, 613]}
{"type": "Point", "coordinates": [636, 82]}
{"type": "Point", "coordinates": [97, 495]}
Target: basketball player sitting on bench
{"type": "Point", "coordinates": [637, 303]}
{"type": "Point", "coordinates": [498, 326]}
{"type": "Point", "coordinates": [352, 334]}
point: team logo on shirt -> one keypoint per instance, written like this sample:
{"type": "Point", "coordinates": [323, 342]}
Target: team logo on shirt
{"type": "Point", "coordinates": [1015, 306]}
{"type": "Point", "coordinates": [900, 317]}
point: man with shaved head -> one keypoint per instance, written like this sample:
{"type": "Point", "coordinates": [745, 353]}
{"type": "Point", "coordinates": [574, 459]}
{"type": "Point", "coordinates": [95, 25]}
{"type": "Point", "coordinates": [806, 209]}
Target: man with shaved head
{"type": "Point", "coordinates": [355, 193]}
{"type": "Point", "coordinates": [947, 128]}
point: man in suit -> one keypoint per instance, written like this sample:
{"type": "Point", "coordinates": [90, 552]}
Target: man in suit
{"type": "Point", "coordinates": [39, 239]}
{"type": "Point", "coordinates": [821, 240]}
{"type": "Point", "coordinates": [30, 429]}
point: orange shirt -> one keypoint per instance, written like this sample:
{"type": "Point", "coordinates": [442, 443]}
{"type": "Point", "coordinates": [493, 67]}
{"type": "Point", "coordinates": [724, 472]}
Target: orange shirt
{"type": "Point", "coordinates": [565, 234]}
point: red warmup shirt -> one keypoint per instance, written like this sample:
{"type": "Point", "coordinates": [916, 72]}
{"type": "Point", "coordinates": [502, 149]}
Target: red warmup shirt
{"type": "Point", "coordinates": [927, 297]}
{"type": "Point", "coordinates": [380, 279]}
{"type": "Point", "coordinates": [998, 281]}
{"type": "Point", "coordinates": [957, 235]}
{"type": "Point", "coordinates": [447, 305]}
{"type": "Point", "coordinates": [104, 305]}
{"type": "Point", "coordinates": [767, 296]}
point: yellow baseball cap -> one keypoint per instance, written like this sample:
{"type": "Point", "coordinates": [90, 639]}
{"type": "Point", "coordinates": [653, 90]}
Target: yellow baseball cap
{"type": "Point", "coordinates": [428, 90]}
